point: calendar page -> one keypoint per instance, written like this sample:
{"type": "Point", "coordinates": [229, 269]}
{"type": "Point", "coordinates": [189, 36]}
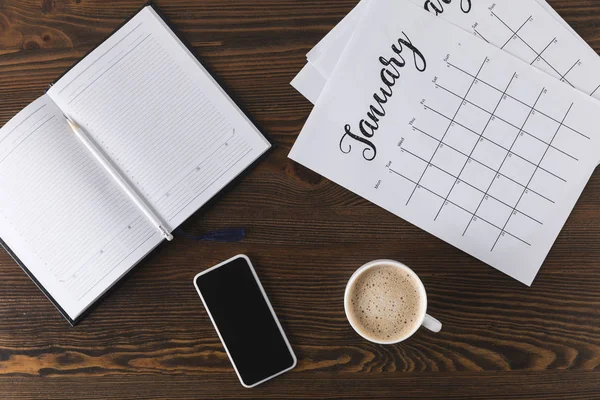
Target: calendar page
{"type": "Point", "coordinates": [454, 135]}
{"type": "Point", "coordinates": [528, 29]}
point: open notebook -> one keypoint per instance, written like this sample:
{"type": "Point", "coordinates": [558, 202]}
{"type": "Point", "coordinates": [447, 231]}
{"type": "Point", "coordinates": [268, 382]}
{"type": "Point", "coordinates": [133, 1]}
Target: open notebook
{"type": "Point", "coordinates": [164, 122]}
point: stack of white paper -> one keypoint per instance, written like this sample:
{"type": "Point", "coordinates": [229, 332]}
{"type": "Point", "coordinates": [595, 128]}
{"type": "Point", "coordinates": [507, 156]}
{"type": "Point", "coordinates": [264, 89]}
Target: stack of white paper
{"type": "Point", "coordinates": [472, 120]}
{"type": "Point", "coordinates": [543, 24]}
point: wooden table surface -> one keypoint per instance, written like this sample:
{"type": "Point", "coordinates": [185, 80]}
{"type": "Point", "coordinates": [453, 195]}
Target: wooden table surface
{"type": "Point", "coordinates": [152, 339]}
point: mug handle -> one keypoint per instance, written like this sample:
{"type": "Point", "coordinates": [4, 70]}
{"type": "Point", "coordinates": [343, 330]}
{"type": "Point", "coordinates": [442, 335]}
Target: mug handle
{"type": "Point", "coordinates": [432, 324]}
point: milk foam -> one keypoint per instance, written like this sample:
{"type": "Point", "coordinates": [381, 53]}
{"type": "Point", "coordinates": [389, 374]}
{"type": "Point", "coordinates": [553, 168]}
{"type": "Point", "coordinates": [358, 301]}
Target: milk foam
{"type": "Point", "coordinates": [384, 303]}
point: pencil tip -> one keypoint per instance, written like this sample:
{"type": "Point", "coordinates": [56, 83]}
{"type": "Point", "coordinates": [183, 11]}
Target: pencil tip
{"type": "Point", "coordinates": [72, 123]}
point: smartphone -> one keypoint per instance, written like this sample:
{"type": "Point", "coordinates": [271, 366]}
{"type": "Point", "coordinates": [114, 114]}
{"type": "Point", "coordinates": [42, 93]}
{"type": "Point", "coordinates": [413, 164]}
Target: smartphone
{"type": "Point", "coordinates": [245, 321]}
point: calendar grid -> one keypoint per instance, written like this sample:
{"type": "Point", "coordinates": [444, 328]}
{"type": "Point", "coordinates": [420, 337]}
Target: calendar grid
{"type": "Point", "coordinates": [504, 161]}
{"type": "Point", "coordinates": [456, 205]}
{"type": "Point", "coordinates": [494, 142]}
{"type": "Point", "coordinates": [518, 100]}
{"type": "Point", "coordinates": [457, 178]}
{"type": "Point", "coordinates": [448, 128]}
{"type": "Point", "coordinates": [479, 140]}
{"type": "Point", "coordinates": [509, 123]}
{"type": "Point", "coordinates": [532, 176]}
{"type": "Point", "coordinates": [481, 163]}
{"type": "Point", "coordinates": [538, 55]}
{"type": "Point", "coordinates": [514, 33]}
{"type": "Point", "coordinates": [503, 227]}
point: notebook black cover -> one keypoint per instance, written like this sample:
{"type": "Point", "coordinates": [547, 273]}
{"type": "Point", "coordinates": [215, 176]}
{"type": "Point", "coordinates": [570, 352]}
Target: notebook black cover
{"type": "Point", "coordinates": [225, 189]}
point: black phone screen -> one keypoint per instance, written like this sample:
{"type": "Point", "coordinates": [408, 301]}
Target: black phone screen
{"type": "Point", "coordinates": [247, 326]}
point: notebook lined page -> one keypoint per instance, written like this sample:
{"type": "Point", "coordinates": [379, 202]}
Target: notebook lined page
{"type": "Point", "coordinates": [158, 114]}
{"type": "Point", "coordinates": [61, 214]}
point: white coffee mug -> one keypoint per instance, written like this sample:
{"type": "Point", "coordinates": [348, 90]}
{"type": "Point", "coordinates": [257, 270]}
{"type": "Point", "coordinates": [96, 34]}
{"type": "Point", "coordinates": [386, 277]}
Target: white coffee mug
{"type": "Point", "coordinates": [423, 319]}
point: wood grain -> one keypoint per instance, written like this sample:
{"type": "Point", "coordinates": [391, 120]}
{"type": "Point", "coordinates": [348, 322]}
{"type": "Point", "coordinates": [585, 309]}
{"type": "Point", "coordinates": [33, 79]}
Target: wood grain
{"type": "Point", "coordinates": [152, 339]}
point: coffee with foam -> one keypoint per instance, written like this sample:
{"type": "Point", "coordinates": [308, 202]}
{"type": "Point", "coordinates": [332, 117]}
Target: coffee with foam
{"type": "Point", "coordinates": [385, 303]}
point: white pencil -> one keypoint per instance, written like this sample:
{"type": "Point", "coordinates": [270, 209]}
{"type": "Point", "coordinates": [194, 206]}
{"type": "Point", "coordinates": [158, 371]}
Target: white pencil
{"type": "Point", "coordinates": [116, 175]}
